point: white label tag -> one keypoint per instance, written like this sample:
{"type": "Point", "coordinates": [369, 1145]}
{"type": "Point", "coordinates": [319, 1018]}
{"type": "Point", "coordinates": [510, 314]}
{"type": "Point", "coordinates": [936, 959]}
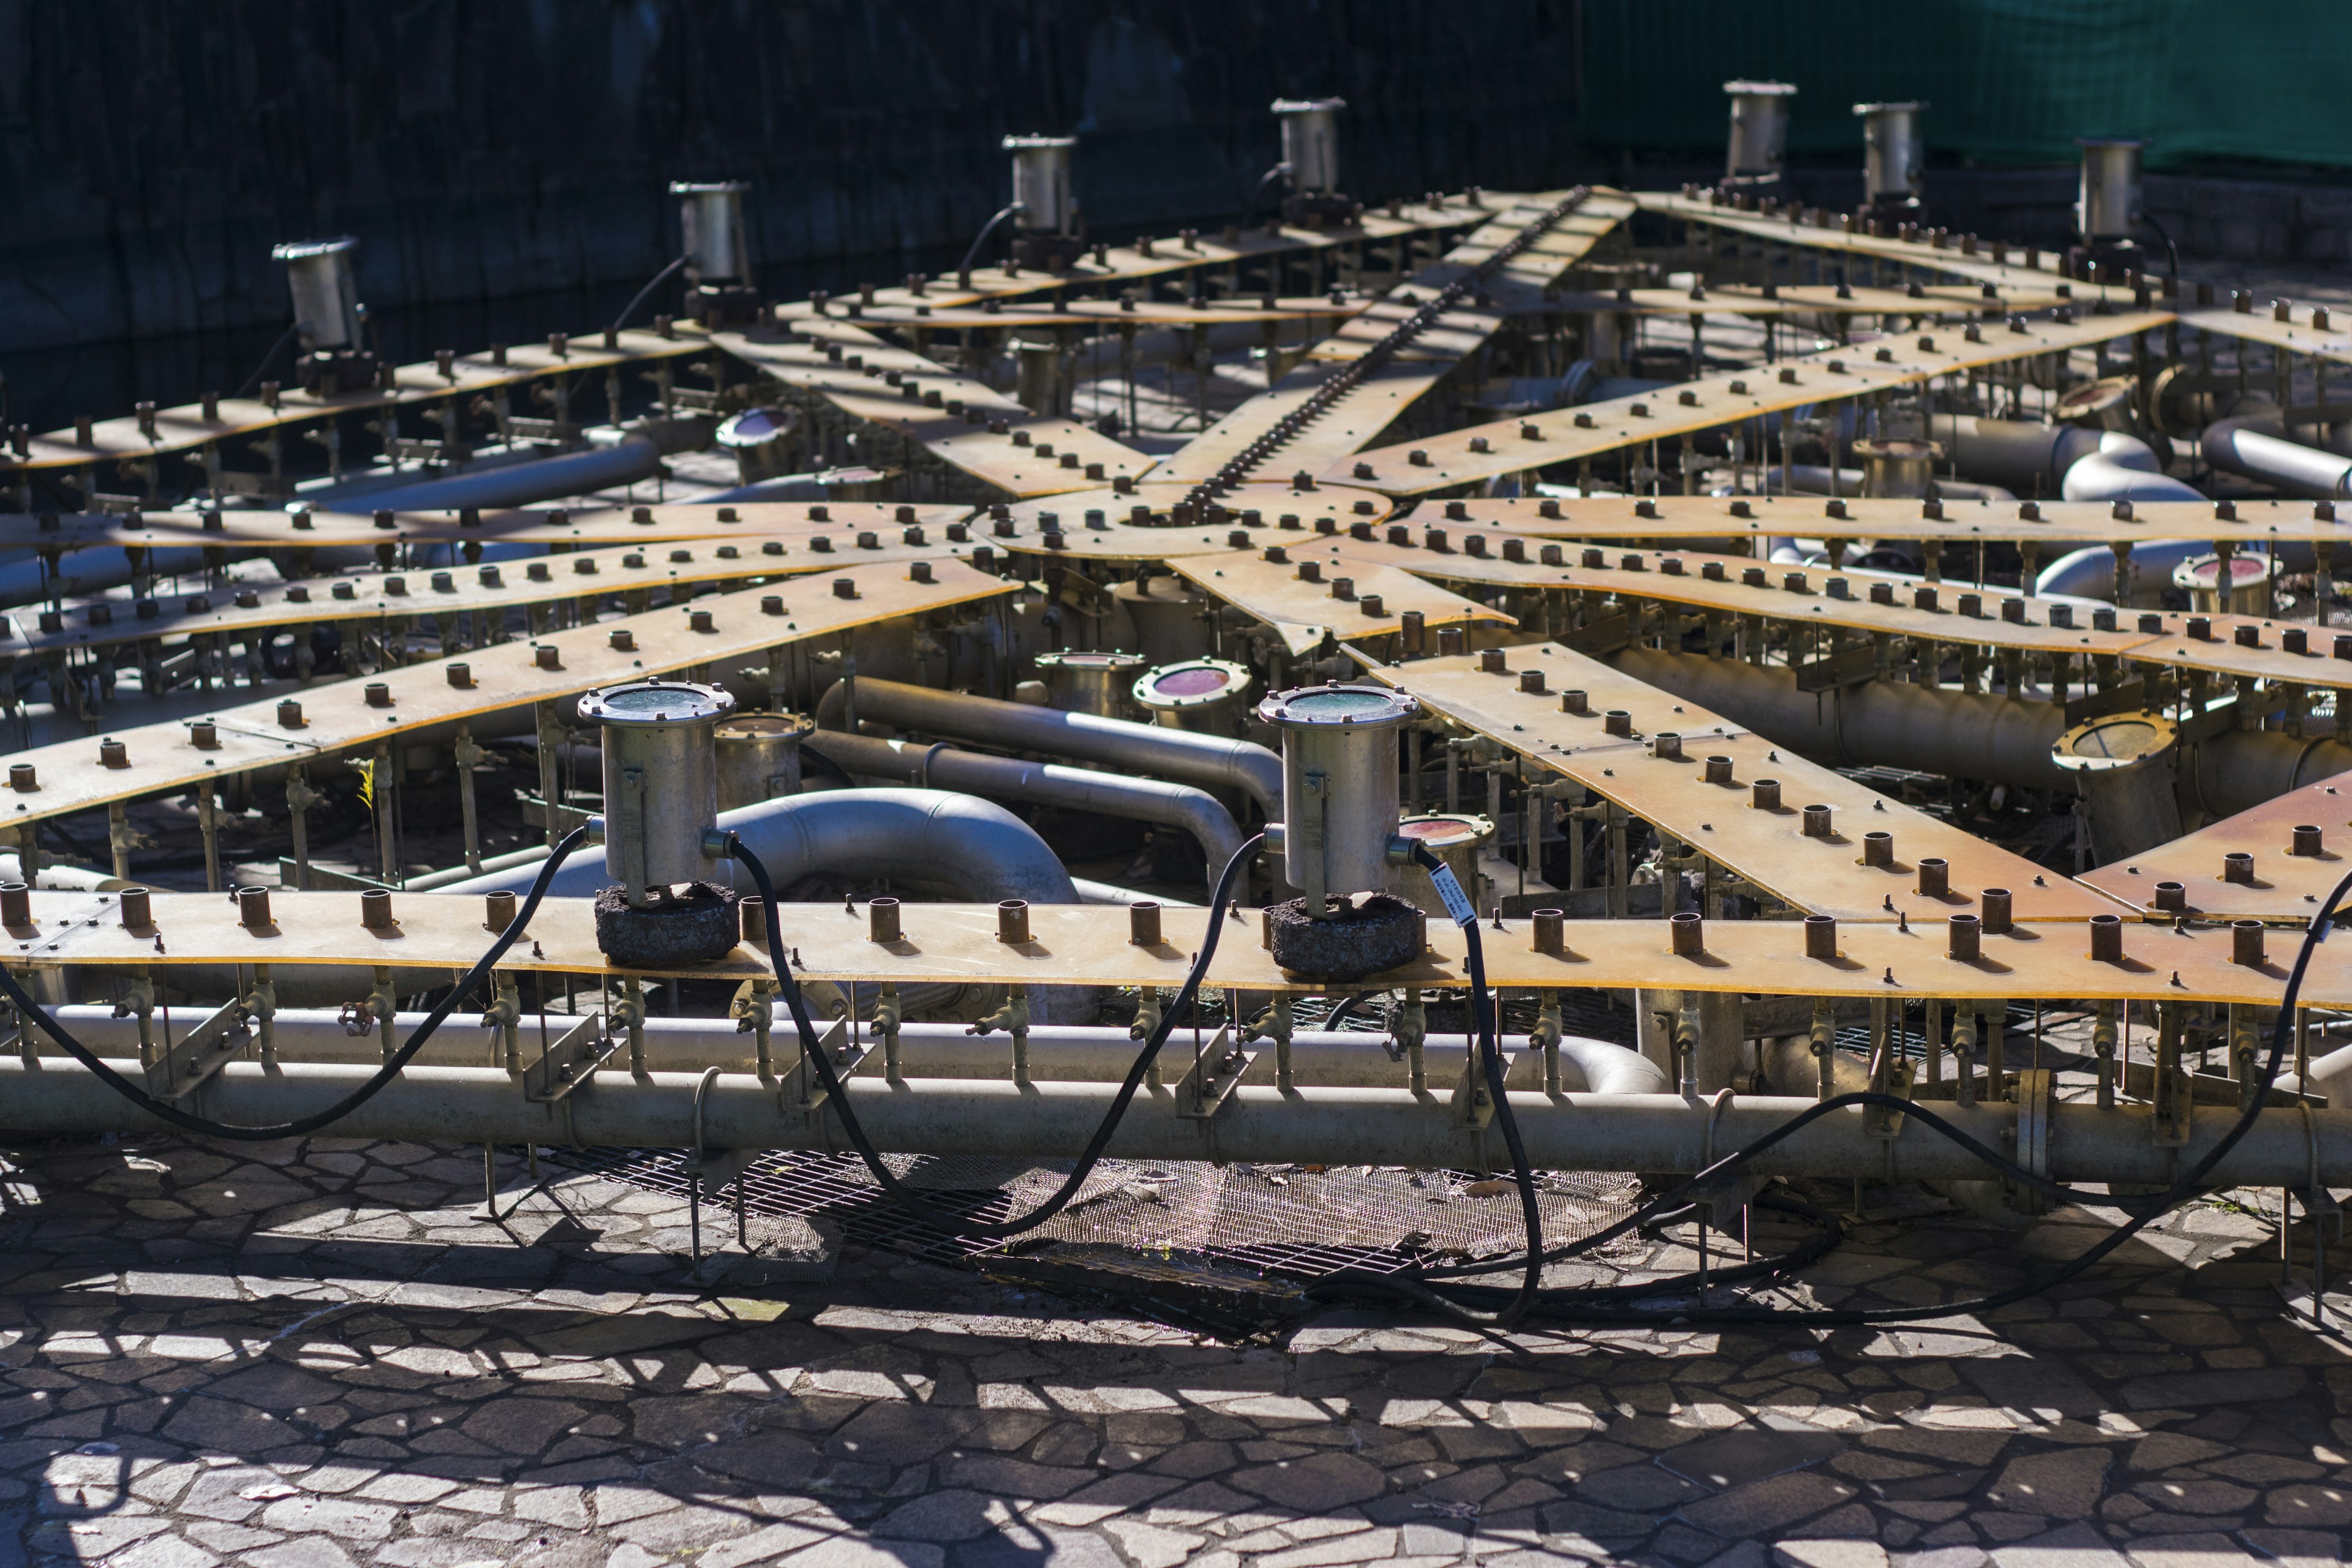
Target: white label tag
{"type": "Point", "coordinates": [1458, 902]}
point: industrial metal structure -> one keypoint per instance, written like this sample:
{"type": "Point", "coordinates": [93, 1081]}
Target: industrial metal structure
{"type": "Point", "coordinates": [1753, 624]}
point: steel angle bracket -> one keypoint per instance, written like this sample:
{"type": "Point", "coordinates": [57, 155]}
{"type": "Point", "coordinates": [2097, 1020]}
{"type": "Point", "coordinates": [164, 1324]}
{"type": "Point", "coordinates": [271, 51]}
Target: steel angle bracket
{"type": "Point", "coordinates": [2037, 1099]}
{"type": "Point", "coordinates": [803, 1090]}
{"type": "Point", "coordinates": [1849, 667]}
{"type": "Point", "coordinates": [1208, 1082]}
{"type": "Point", "coordinates": [201, 1052]}
{"type": "Point", "coordinates": [719, 1169]}
{"type": "Point", "coordinates": [571, 1061]}
{"type": "Point", "coordinates": [1471, 1106]}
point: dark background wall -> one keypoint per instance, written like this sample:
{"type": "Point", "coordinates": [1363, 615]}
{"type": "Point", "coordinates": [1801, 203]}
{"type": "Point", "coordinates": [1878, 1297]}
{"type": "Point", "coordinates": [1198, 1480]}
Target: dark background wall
{"type": "Point", "coordinates": [153, 151]}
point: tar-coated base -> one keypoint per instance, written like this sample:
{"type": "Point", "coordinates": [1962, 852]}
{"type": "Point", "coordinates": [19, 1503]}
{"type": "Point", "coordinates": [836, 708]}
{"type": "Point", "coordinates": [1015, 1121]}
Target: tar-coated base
{"type": "Point", "coordinates": [694, 924]}
{"type": "Point", "coordinates": [1356, 940]}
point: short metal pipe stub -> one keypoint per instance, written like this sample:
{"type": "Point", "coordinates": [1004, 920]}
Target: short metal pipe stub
{"type": "Point", "coordinates": [2238, 866]}
{"type": "Point", "coordinates": [1934, 876]}
{"type": "Point", "coordinates": [252, 909]}
{"type": "Point", "coordinates": [1765, 795]}
{"type": "Point", "coordinates": [2172, 897]}
{"type": "Point", "coordinates": [1820, 937]}
{"type": "Point", "coordinates": [1817, 822]}
{"type": "Point", "coordinates": [497, 911]}
{"type": "Point", "coordinates": [2246, 943]}
{"type": "Point", "coordinates": [1689, 933]}
{"type": "Point", "coordinates": [1143, 923]}
{"type": "Point", "coordinates": [881, 920]}
{"type": "Point", "coordinates": [1964, 938]}
{"type": "Point", "coordinates": [1550, 932]}
{"type": "Point", "coordinates": [1878, 849]}
{"type": "Point", "coordinates": [376, 910]}
{"type": "Point", "coordinates": [1719, 770]}
{"type": "Point", "coordinates": [2107, 939]}
{"type": "Point", "coordinates": [1013, 921]}
{"type": "Point", "coordinates": [2309, 842]}
{"type": "Point", "coordinates": [15, 904]}
{"type": "Point", "coordinates": [1996, 906]}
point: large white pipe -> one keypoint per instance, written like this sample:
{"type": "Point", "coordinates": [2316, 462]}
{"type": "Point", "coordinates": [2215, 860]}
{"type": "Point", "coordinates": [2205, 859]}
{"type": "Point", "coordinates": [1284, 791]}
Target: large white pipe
{"type": "Point", "coordinates": [977, 848]}
{"type": "Point", "coordinates": [1196, 811]}
{"type": "Point", "coordinates": [1333, 1126]}
{"type": "Point", "coordinates": [1185, 754]}
{"type": "Point", "coordinates": [2257, 446]}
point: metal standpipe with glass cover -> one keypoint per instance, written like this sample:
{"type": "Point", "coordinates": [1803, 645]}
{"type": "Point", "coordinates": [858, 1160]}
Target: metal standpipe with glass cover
{"type": "Point", "coordinates": [1682, 690]}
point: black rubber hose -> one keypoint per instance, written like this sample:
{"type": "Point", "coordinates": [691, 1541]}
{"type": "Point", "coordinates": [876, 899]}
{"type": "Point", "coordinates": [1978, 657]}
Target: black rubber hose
{"type": "Point", "coordinates": [631, 308]}
{"type": "Point", "coordinates": [837, 1094]}
{"type": "Point", "coordinates": [302, 1125]}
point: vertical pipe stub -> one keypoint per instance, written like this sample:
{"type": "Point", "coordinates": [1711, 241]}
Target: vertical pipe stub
{"type": "Point", "coordinates": [15, 905]}
{"type": "Point", "coordinates": [1013, 921]}
{"type": "Point", "coordinates": [1618, 722]}
{"type": "Point", "coordinates": [2308, 841]}
{"type": "Point", "coordinates": [1667, 746]}
{"type": "Point", "coordinates": [751, 916]}
{"type": "Point", "coordinates": [252, 908]}
{"type": "Point", "coordinates": [1962, 942]}
{"type": "Point", "coordinates": [1759, 142]}
{"type": "Point", "coordinates": [2107, 939]}
{"type": "Point", "coordinates": [24, 778]}
{"type": "Point", "coordinates": [2238, 866]}
{"type": "Point", "coordinates": [1765, 795]}
{"type": "Point", "coordinates": [1878, 849]}
{"type": "Point", "coordinates": [138, 912]}
{"type": "Point", "coordinates": [1550, 932]}
{"type": "Point", "coordinates": [1934, 876]}
{"type": "Point", "coordinates": [2246, 943]}
{"type": "Point", "coordinates": [2172, 897]}
{"type": "Point", "coordinates": [376, 910]}
{"type": "Point", "coordinates": [1994, 905]}
{"type": "Point", "coordinates": [1689, 933]}
{"type": "Point", "coordinates": [2107, 203]}
{"type": "Point", "coordinates": [497, 911]}
{"type": "Point", "coordinates": [1719, 770]}
{"type": "Point", "coordinates": [1575, 703]}
{"type": "Point", "coordinates": [1340, 790]}
{"type": "Point", "coordinates": [1817, 822]}
{"type": "Point", "coordinates": [1143, 923]}
{"type": "Point", "coordinates": [882, 919]}
{"type": "Point", "coordinates": [1820, 937]}
{"type": "Point", "coordinates": [661, 780]}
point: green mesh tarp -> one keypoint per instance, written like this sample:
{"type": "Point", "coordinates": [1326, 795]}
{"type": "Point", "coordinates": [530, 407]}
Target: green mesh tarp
{"type": "Point", "coordinates": [2009, 82]}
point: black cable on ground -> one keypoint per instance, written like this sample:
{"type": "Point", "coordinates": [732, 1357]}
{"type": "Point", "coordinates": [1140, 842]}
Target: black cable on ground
{"type": "Point", "coordinates": [837, 1094]}
{"type": "Point", "coordinates": [301, 1125]}
{"type": "Point", "coordinates": [2187, 1185]}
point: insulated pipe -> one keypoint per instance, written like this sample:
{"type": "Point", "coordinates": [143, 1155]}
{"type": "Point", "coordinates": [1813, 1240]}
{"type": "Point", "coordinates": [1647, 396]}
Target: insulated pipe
{"type": "Point", "coordinates": [1332, 1126]}
{"type": "Point", "coordinates": [1936, 730]}
{"type": "Point", "coordinates": [1196, 811]}
{"type": "Point", "coordinates": [2257, 446]}
{"type": "Point", "coordinates": [2123, 468]}
{"type": "Point", "coordinates": [1058, 1053]}
{"type": "Point", "coordinates": [633, 458]}
{"type": "Point", "coordinates": [1879, 722]}
{"type": "Point", "coordinates": [1186, 754]}
{"type": "Point", "coordinates": [979, 848]}
{"type": "Point", "coordinates": [2034, 460]}
{"type": "Point", "coordinates": [86, 571]}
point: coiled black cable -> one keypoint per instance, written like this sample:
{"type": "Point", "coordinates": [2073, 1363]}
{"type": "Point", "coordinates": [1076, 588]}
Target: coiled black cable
{"type": "Point", "coordinates": [164, 1110]}
{"type": "Point", "coordinates": [837, 1095]}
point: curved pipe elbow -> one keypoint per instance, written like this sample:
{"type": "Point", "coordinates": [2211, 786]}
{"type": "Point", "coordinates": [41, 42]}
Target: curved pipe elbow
{"type": "Point", "coordinates": [1612, 1069]}
{"type": "Point", "coordinates": [2256, 447]}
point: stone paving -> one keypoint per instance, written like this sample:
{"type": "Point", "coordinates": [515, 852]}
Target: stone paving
{"type": "Point", "coordinates": [313, 1356]}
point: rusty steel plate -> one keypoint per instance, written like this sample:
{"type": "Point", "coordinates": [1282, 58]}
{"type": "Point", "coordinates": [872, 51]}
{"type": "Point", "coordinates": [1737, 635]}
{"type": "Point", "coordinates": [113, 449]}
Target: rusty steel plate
{"type": "Point", "coordinates": [400, 597]}
{"type": "Point", "coordinates": [185, 428]}
{"type": "Point", "coordinates": [1810, 300]}
{"type": "Point", "coordinates": [336, 716]}
{"type": "Point", "coordinates": [1095, 315]}
{"type": "Point", "coordinates": [559, 526]}
{"type": "Point", "coordinates": [1178, 527]}
{"type": "Point", "coordinates": [2058, 526]}
{"type": "Point", "coordinates": [2282, 885]}
{"type": "Point", "coordinates": [1769, 848]}
{"type": "Point", "coordinates": [1076, 944]}
{"type": "Point", "coordinates": [1303, 613]}
{"type": "Point", "coordinates": [1785, 229]}
{"type": "Point", "coordinates": [1726, 397]}
{"type": "Point", "coordinates": [2299, 334]}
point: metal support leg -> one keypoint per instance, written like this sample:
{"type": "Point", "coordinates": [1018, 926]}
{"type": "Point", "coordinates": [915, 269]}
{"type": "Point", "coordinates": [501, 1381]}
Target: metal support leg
{"type": "Point", "coordinates": [467, 757]}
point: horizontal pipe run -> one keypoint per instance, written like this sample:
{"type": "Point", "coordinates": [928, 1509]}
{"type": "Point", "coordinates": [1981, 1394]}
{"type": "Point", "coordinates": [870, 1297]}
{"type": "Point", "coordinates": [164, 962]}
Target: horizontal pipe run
{"type": "Point", "coordinates": [1185, 754]}
{"type": "Point", "coordinates": [1333, 1126]}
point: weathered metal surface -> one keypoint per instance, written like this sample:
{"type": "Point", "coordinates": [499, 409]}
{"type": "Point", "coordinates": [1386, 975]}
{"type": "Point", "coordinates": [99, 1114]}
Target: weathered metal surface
{"type": "Point", "coordinates": [337, 716]}
{"type": "Point", "coordinates": [1726, 397]}
{"type": "Point", "coordinates": [1304, 614]}
{"type": "Point", "coordinates": [1825, 875]}
{"type": "Point", "coordinates": [1073, 944]}
{"type": "Point", "coordinates": [2279, 884]}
